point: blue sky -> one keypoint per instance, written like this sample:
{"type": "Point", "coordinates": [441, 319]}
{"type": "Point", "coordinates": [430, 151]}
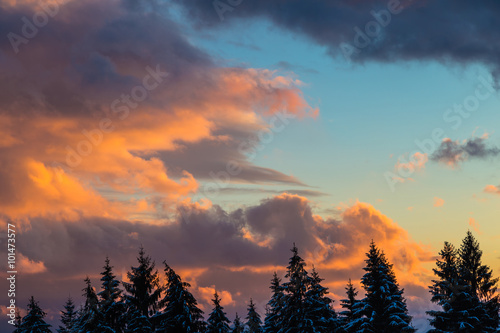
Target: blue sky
{"type": "Point", "coordinates": [370, 114]}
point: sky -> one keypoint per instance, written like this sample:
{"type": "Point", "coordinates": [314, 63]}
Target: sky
{"type": "Point", "coordinates": [217, 134]}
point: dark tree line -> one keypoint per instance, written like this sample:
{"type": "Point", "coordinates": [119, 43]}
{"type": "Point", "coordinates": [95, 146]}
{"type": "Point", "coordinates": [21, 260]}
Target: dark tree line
{"type": "Point", "coordinates": [464, 289]}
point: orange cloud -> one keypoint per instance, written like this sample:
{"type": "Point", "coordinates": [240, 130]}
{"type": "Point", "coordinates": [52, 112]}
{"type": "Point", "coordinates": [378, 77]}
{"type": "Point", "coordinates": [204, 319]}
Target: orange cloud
{"type": "Point", "coordinates": [438, 202]}
{"type": "Point", "coordinates": [207, 294]}
{"type": "Point", "coordinates": [406, 254]}
{"type": "Point", "coordinates": [475, 225]}
{"type": "Point", "coordinates": [4, 311]}
{"type": "Point", "coordinates": [340, 244]}
{"type": "Point", "coordinates": [492, 189]}
{"type": "Point", "coordinates": [32, 3]}
{"type": "Point", "coordinates": [416, 163]}
{"type": "Point", "coordinates": [359, 225]}
{"type": "Point", "coordinates": [27, 266]}
{"type": "Point", "coordinates": [67, 166]}
{"type": "Point", "coordinates": [37, 189]}
{"type": "Point", "coordinates": [89, 137]}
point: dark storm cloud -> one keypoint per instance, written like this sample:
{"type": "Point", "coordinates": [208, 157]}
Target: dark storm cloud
{"type": "Point", "coordinates": [453, 152]}
{"type": "Point", "coordinates": [208, 160]}
{"type": "Point", "coordinates": [461, 31]}
{"type": "Point", "coordinates": [72, 60]}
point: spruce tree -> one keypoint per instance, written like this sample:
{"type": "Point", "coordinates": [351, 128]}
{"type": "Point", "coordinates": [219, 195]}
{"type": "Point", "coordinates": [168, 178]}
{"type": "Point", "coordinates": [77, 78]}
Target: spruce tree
{"type": "Point", "coordinates": [465, 290]}
{"type": "Point", "coordinates": [459, 306]}
{"type": "Point", "coordinates": [144, 290]}
{"type": "Point", "coordinates": [17, 321]}
{"type": "Point", "coordinates": [273, 320]}
{"type": "Point", "coordinates": [68, 317]}
{"type": "Point", "coordinates": [181, 313]}
{"type": "Point", "coordinates": [479, 278]}
{"type": "Point", "coordinates": [217, 321]}
{"type": "Point", "coordinates": [383, 310]}
{"type": "Point", "coordinates": [138, 323]}
{"type": "Point", "coordinates": [442, 291]}
{"type": "Point", "coordinates": [293, 310]}
{"type": "Point", "coordinates": [90, 318]}
{"type": "Point", "coordinates": [319, 313]}
{"type": "Point", "coordinates": [110, 299]}
{"type": "Point", "coordinates": [33, 321]}
{"type": "Point", "coordinates": [349, 304]}
{"type": "Point", "coordinates": [238, 326]}
{"type": "Point", "coordinates": [254, 323]}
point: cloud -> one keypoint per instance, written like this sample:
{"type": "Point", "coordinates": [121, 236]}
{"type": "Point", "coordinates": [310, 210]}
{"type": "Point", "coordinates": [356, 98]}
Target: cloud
{"type": "Point", "coordinates": [438, 202]}
{"type": "Point", "coordinates": [475, 225]}
{"type": "Point", "coordinates": [27, 266]}
{"type": "Point", "coordinates": [207, 294]}
{"type": "Point", "coordinates": [68, 95]}
{"type": "Point", "coordinates": [234, 251]}
{"type": "Point", "coordinates": [245, 45]}
{"type": "Point", "coordinates": [210, 160]}
{"type": "Point", "coordinates": [332, 24]}
{"type": "Point", "coordinates": [416, 163]}
{"type": "Point", "coordinates": [4, 311]}
{"type": "Point", "coordinates": [293, 67]}
{"type": "Point", "coordinates": [452, 153]}
{"type": "Point", "coordinates": [244, 190]}
{"type": "Point", "coordinates": [492, 189]}
{"type": "Point", "coordinates": [110, 111]}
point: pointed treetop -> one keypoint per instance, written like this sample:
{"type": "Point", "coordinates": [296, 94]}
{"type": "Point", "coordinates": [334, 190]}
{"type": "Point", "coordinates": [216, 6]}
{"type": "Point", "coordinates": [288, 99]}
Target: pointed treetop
{"type": "Point", "coordinates": [217, 321]}
{"type": "Point", "coordinates": [33, 321]}
{"type": "Point", "coordinates": [254, 323]}
{"type": "Point", "coordinates": [68, 317]}
{"type": "Point", "coordinates": [238, 326]}
{"type": "Point", "coordinates": [216, 299]}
